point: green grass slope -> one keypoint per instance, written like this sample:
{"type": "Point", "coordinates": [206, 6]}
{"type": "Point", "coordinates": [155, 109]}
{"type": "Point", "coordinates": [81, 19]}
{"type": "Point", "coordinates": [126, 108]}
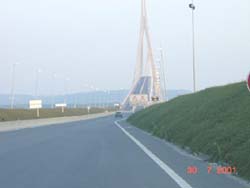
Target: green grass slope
{"type": "Point", "coordinates": [215, 121]}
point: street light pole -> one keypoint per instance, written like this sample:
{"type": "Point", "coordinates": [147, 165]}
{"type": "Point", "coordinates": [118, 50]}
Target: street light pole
{"type": "Point", "coordinates": [105, 99]}
{"type": "Point", "coordinates": [92, 96]}
{"type": "Point", "coordinates": [192, 7]}
{"type": "Point", "coordinates": [54, 94]}
{"type": "Point", "coordinates": [97, 98]}
{"type": "Point", "coordinates": [75, 101]}
{"type": "Point", "coordinates": [86, 101]}
{"type": "Point", "coordinates": [12, 90]}
{"type": "Point", "coordinates": [38, 71]}
{"type": "Point", "coordinates": [65, 89]}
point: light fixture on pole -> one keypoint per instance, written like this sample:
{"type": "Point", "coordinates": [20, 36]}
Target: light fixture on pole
{"type": "Point", "coordinates": [192, 7]}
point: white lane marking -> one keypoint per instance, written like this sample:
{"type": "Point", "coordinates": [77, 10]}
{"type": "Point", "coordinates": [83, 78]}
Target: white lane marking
{"type": "Point", "coordinates": [179, 180]}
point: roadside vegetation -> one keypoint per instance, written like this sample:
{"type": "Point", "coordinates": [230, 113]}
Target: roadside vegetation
{"type": "Point", "coordinates": [25, 114]}
{"type": "Point", "coordinates": [215, 121]}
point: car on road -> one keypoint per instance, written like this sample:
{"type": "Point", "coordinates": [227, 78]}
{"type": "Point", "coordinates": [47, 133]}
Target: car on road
{"type": "Point", "coordinates": [118, 115]}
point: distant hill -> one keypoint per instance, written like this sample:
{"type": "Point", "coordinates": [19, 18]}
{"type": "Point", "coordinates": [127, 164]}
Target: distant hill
{"type": "Point", "coordinates": [81, 99]}
{"type": "Point", "coordinates": [215, 122]}
{"type": "Point", "coordinates": [86, 98]}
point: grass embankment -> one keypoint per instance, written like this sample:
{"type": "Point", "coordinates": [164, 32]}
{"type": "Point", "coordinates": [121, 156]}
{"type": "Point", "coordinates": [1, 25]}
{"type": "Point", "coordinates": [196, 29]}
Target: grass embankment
{"type": "Point", "coordinates": [24, 114]}
{"type": "Point", "coordinates": [215, 121]}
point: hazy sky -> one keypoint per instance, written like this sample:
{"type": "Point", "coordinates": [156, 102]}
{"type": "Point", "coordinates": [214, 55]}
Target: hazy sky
{"type": "Point", "coordinates": [94, 42]}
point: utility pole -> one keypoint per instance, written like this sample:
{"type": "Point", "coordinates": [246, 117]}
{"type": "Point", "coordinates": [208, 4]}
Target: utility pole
{"type": "Point", "coordinates": [192, 7]}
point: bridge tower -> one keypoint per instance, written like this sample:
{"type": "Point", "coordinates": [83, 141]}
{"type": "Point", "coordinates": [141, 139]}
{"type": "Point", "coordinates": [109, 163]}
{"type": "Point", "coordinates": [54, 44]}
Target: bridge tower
{"type": "Point", "coordinates": [146, 87]}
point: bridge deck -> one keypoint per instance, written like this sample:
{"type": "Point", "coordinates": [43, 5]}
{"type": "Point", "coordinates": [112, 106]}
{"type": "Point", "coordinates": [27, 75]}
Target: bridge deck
{"type": "Point", "coordinates": [143, 86]}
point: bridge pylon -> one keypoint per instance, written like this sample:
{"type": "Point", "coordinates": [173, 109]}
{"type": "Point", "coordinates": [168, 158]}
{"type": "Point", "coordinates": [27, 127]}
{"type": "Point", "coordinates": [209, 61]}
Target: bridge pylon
{"type": "Point", "coordinates": [146, 87]}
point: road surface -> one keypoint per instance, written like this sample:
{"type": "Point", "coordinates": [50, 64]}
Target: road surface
{"type": "Point", "coordinates": [98, 153]}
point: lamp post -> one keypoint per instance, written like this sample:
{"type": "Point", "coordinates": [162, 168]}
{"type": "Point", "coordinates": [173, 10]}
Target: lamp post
{"type": "Point", "coordinates": [38, 71]}
{"type": "Point", "coordinates": [97, 97]}
{"type": "Point", "coordinates": [108, 98]}
{"type": "Point", "coordinates": [65, 88]}
{"type": "Point", "coordinates": [12, 90]}
{"type": "Point", "coordinates": [75, 100]}
{"type": "Point", "coordinates": [54, 95]}
{"type": "Point", "coordinates": [86, 90]}
{"type": "Point", "coordinates": [105, 99]}
{"type": "Point", "coordinates": [192, 7]}
{"type": "Point", "coordinates": [92, 99]}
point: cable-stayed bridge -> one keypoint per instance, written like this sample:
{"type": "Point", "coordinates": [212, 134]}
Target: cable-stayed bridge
{"type": "Point", "coordinates": [146, 88]}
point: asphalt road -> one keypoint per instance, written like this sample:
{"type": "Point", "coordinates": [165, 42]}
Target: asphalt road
{"type": "Point", "coordinates": [98, 153]}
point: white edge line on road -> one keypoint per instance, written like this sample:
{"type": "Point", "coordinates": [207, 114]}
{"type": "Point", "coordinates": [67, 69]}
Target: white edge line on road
{"type": "Point", "coordinates": [179, 180]}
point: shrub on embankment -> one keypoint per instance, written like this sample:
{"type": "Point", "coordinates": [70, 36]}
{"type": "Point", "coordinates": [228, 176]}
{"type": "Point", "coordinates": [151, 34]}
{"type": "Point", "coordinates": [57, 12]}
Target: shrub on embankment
{"type": "Point", "coordinates": [215, 121]}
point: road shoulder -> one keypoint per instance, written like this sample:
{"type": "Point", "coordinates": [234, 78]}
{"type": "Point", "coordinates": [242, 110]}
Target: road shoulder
{"type": "Point", "coordinates": [179, 160]}
{"type": "Point", "coordinates": [23, 124]}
